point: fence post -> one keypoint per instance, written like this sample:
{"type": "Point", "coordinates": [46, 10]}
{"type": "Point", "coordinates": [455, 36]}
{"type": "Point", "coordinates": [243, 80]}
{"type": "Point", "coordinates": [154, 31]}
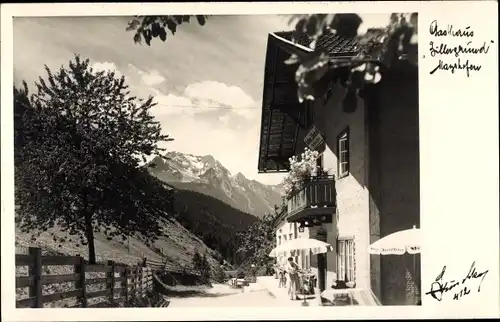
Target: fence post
{"type": "Point", "coordinates": [111, 279]}
{"type": "Point", "coordinates": [145, 276]}
{"type": "Point", "coordinates": [142, 282]}
{"type": "Point", "coordinates": [125, 276]}
{"type": "Point", "coordinates": [35, 270]}
{"type": "Point", "coordinates": [150, 280]}
{"type": "Point", "coordinates": [79, 268]}
{"type": "Point", "coordinates": [137, 281]}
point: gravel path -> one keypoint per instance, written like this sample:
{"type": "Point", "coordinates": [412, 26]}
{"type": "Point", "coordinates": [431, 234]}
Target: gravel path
{"type": "Point", "coordinates": [223, 296]}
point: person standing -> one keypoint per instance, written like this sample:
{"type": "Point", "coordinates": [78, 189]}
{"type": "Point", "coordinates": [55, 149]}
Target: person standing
{"type": "Point", "coordinates": [293, 274]}
{"type": "Point", "coordinates": [282, 277]}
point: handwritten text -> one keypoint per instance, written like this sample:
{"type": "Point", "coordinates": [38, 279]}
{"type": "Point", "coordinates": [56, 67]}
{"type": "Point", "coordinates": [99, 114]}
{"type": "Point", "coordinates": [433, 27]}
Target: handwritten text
{"type": "Point", "coordinates": [457, 287]}
{"type": "Point", "coordinates": [456, 57]}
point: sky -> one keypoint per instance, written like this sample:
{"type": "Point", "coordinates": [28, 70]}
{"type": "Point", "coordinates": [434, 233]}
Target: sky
{"type": "Point", "coordinates": [206, 80]}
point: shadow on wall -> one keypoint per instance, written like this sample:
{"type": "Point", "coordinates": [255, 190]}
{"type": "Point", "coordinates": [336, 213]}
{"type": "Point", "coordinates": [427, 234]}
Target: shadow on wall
{"type": "Point", "coordinates": [403, 272]}
{"type": "Point", "coordinates": [394, 182]}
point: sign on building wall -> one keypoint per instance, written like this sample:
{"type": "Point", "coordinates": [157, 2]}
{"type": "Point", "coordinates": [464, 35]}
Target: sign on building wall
{"type": "Point", "coordinates": [314, 139]}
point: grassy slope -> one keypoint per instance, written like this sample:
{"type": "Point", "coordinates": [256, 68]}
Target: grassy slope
{"type": "Point", "coordinates": [203, 214]}
{"type": "Point", "coordinates": [178, 246]}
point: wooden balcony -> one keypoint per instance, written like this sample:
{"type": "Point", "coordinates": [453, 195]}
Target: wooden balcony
{"type": "Point", "coordinates": [316, 198]}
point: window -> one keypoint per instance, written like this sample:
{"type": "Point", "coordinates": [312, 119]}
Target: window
{"type": "Point", "coordinates": [284, 237]}
{"type": "Point", "coordinates": [346, 269]}
{"type": "Point", "coordinates": [343, 153]}
{"type": "Point", "coordinates": [319, 166]}
{"type": "Point", "coordinates": [319, 161]}
{"type": "Point", "coordinates": [279, 240]}
{"type": "Point", "coordinates": [290, 236]}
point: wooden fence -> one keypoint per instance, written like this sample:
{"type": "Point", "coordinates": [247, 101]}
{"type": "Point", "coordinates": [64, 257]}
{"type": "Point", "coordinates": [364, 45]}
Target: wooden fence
{"type": "Point", "coordinates": [132, 281]}
{"type": "Point", "coordinates": [169, 267]}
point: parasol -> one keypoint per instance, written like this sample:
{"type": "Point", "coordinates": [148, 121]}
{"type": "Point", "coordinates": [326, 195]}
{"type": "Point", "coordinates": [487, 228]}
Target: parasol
{"type": "Point", "coordinates": [398, 243]}
{"type": "Point", "coordinates": [294, 246]}
{"type": "Point", "coordinates": [404, 241]}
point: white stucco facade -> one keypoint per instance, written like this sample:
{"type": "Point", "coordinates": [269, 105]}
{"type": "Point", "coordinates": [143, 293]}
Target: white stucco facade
{"type": "Point", "coordinates": [286, 231]}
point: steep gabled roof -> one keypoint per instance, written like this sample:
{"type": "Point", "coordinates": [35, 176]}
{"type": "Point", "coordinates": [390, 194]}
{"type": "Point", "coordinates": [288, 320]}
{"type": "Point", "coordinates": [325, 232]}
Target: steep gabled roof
{"type": "Point", "coordinates": [332, 44]}
{"type": "Point", "coordinates": [281, 110]}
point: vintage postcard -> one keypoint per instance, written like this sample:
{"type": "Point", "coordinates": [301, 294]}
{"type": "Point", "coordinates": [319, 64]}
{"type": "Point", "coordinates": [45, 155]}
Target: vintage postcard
{"type": "Point", "coordinates": [249, 161]}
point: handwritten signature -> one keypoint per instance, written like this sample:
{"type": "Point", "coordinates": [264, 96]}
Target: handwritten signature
{"type": "Point", "coordinates": [439, 286]}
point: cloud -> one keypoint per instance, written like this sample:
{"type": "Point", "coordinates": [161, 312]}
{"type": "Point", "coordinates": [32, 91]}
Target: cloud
{"type": "Point", "coordinates": [105, 66]}
{"type": "Point", "coordinates": [208, 97]}
{"type": "Point", "coordinates": [168, 104]}
{"type": "Point", "coordinates": [150, 78]}
{"type": "Point", "coordinates": [224, 119]}
{"type": "Point", "coordinates": [223, 94]}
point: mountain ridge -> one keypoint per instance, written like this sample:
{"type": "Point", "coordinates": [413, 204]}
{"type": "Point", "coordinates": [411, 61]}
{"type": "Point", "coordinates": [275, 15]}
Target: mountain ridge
{"type": "Point", "coordinates": [206, 175]}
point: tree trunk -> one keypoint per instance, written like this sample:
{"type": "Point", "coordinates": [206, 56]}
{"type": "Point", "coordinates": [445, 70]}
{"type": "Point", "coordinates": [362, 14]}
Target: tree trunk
{"type": "Point", "coordinates": [89, 233]}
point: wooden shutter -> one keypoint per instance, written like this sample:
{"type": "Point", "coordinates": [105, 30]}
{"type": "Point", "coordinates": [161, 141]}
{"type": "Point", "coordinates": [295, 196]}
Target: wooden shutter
{"type": "Point", "coordinates": [351, 273]}
{"type": "Point", "coordinates": [347, 147]}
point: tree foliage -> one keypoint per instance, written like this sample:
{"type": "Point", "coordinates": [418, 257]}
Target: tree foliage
{"type": "Point", "coordinates": [148, 27]}
{"type": "Point", "coordinates": [379, 48]}
{"type": "Point", "coordinates": [201, 264]}
{"type": "Point", "coordinates": [79, 140]}
{"type": "Point", "coordinates": [213, 221]}
{"type": "Point", "coordinates": [219, 275]}
{"type": "Point", "coordinates": [258, 240]}
{"type": "Point", "coordinates": [197, 261]}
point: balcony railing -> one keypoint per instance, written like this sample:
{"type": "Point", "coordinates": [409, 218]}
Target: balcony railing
{"type": "Point", "coordinates": [317, 192]}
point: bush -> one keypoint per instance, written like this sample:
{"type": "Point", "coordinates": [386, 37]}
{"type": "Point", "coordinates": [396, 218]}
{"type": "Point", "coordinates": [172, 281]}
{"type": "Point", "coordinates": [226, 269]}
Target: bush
{"type": "Point", "coordinates": [218, 275]}
{"type": "Point", "coordinates": [150, 300]}
{"type": "Point", "coordinates": [240, 273]}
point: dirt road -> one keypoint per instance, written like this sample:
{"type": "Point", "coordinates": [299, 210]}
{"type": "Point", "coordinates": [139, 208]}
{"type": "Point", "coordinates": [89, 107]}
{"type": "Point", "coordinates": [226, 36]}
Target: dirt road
{"type": "Point", "coordinates": [221, 295]}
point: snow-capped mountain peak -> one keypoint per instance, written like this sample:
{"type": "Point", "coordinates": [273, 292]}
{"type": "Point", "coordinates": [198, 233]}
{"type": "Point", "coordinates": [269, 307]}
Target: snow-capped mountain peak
{"type": "Point", "coordinates": [207, 175]}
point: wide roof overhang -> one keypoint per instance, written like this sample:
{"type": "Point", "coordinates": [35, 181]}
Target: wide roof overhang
{"type": "Point", "coordinates": [281, 109]}
{"type": "Point", "coordinates": [282, 113]}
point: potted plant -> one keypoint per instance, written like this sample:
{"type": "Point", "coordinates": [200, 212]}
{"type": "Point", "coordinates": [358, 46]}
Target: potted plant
{"type": "Point", "coordinates": [300, 170]}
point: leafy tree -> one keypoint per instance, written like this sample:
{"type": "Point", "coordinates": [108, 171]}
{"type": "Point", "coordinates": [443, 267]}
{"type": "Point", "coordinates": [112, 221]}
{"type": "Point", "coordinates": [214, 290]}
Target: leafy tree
{"type": "Point", "coordinates": [215, 222]}
{"type": "Point", "coordinates": [201, 264]}
{"type": "Point", "coordinates": [149, 27]}
{"type": "Point", "coordinates": [79, 140]}
{"type": "Point", "coordinates": [205, 266]}
{"type": "Point", "coordinates": [258, 240]}
{"type": "Point", "coordinates": [197, 261]}
{"type": "Point", "coordinates": [219, 275]}
{"type": "Point", "coordinates": [379, 47]}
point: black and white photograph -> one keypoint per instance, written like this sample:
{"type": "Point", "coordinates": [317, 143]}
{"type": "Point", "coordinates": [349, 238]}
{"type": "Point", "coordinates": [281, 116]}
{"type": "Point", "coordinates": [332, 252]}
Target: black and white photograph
{"type": "Point", "coordinates": [186, 161]}
{"type": "Point", "coordinates": [217, 160]}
